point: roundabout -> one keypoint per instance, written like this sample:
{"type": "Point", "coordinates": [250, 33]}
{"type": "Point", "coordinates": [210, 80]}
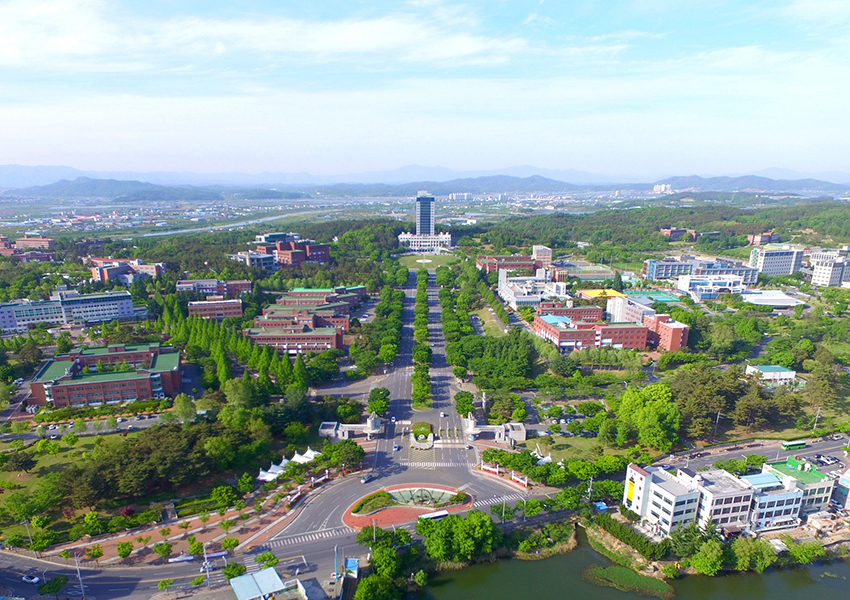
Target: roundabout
{"type": "Point", "coordinates": [410, 502]}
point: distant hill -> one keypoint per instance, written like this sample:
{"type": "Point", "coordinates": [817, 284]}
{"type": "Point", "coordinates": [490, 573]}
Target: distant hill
{"type": "Point", "coordinates": [85, 187]}
{"type": "Point", "coordinates": [753, 182]}
{"type": "Point", "coordinates": [496, 184]}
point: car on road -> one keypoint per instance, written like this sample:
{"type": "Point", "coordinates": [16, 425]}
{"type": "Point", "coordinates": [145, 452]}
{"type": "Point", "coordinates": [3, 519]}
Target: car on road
{"type": "Point", "coordinates": [129, 427]}
{"type": "Point", "coordinates": [52, 427]}
{"type": "Point", "coordinates": [120, 419]}
{"type": "Point", "coordinates": [392, 419]}
{"type": "Point", "coordinates": [666, 467]}
{"type": "Point", "coordinates": [563, 421]}
{"type": "Point", "coordinates": [442, 414]}
{"type": "Point", "coordinates": [837, 437]}
{"type": "Point", "coordinates": [367, 478]}
{"type": "Point", "coordinates": [396, 448]}
{"type": "Point", "coordinates": [140, 417]}
{"type": "Point", "coordinates": [31, 579]}
{"type": "Point", "coordinates": [54, 437]}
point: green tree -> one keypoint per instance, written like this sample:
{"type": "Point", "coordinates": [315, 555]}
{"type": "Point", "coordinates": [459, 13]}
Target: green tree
{"type": "Point", "coordinates": [111, 422]}
{"type": "Point", "coordinates": [184, 408]}
{"type": "Point", "coordinates": [199, 580]}
{"type": "Point", "coordinates": [245, 485]}
{"type": "Point", "coordinates": [420, 578]}
{"type": "Point", "coordinates": [376, 587]}
{"type": "Point", "coordinates": [40, 521]}
{"type": "Point", "coordinates": [163, 549]}
{"type": "Point", "coordinates": [234, 569]}
{"type": "Point", "coordinates": [124, 549]}
{"type": "Point", "coordinates": [379, 401]}
{"type": "Point", "coordinates": [804, 553]}
{"type": "Point", "coordinates": [223, 496]}
{"type": "Point", "coordinates": [750, 554]}
{"type": "Point", "coordinates": [94, 552]}
{"type": "Point", "coordinates": [709, 559]}
{"type": "Point", "coordinates": [229, 543]}
{"type": "Point", "coordinates": [163, 585]}
{"type": "Point", "coordinates": [385, 561]}
{"type": "Point", "coordinates": [20, 461]}
{"type": "Point", "coordinates": [70, 438]}
{"type": "Point", "coordinates": [53, 585]}
{"type": "Point", "coordinates": [267, 559]}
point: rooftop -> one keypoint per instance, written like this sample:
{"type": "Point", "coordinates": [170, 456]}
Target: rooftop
{"type": "Point", "coordinates": [599, 293]}
{"type": "Point", "coordinates": [773, 369]}
{"type": "Point", "coordinates": [105, 350]}
{"type": "Point", "coordinates": [718, 481]}
{"type": "Point", "coordinates": [790, 467]}
{"type": "Point", "coordinates": [762, 481]}
{"type": "Point", "coordinates": [667, 482]}
{"type": "Point", "coordinates": [317, 331]}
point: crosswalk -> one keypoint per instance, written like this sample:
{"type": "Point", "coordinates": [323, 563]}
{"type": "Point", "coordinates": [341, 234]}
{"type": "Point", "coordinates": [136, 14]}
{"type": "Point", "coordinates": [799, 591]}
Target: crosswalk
{"type": "Point", "coordinates": [435, 465]}
{"type": "Point", "coordinates": [308, 537]}
{"type": "Point", "coordinates": [509, 498]}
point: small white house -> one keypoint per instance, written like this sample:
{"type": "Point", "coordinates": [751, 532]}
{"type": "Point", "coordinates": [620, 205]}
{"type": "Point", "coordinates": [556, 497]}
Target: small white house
{"type": "Point", "coordinates": [772, 374]}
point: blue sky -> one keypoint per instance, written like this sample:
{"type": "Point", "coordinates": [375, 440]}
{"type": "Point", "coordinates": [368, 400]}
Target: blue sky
{"type": "Point", "coordinates": [621, 87]}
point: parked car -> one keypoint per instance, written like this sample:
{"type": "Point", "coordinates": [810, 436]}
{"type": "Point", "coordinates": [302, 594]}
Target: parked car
{"type": "Point", "coordinates": [120, 419]}
{"type": "Point", "coordinates": [392, 419]}
{"type": "Point", "coordinates": [396, 448]}
{"type": "Point", "coordinates": [31, 579]}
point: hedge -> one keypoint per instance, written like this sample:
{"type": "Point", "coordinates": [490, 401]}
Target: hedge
{"type": "Point", "coordinates": [629, 536]}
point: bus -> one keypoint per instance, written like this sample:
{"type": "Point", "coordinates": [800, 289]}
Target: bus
{"type": "Point", "coordinates": [434, 516]}
{"type": "Point", "coordinates": [798, 445]}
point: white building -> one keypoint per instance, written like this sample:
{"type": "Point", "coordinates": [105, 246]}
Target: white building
{"type": "Point", "coordinates": [254, 259]}
{"type": "Point", "coordinates": [622, 309]}
{"type": "Point", "coordinates": [709, 287]}
{"type": "Point", "coordinates": [776, 503]}
{"type": "Point", "coordinates": [542, 255]}
{"type": "Point", "coordinates": [663, 502]}
{"type": "Point", "coordinates": [816, 487]}
{"type": "Point", "coordinates": [776, 261]}
{"type": "Point", "coordinates": [518, 292]}
{"type": "Point", "coordinates": [772, 374]}
{"type": "Point", "coordinates": [425, 243]}
{"type": "Point", "coordinates": [724, 498]}
{"type": "Point", "coordinates": [66, 308]}
{"type": "Point", "coordinates": [829, 269]}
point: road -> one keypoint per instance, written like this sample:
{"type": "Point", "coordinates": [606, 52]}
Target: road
{"type": "Point", "coordinates": [311, 541]}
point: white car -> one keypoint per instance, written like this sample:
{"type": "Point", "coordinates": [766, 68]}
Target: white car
{"type": "Point", "coordinates": [120, 419]}
{"type": "Point", "coordinates": [392, 419]}
{"type": "Point", "coordinates": [31, 579]}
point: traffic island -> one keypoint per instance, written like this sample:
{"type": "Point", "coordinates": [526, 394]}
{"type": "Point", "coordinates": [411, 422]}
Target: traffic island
{"type": "Point", "coordinates": [404, 503]}
{"type": "Point", "coordinates": [421, 436]}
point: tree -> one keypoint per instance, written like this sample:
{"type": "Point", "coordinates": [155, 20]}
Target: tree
{"type": "Point", "coordinates": [385, 561]}
{"type": "Point", "coordinates": [124, 549]}
{"type": "Point", "coordinates": [709, 559]}
{"type": "Point", "coordinates": [296, 433]}
{"type": "Point", "coordinates": [617, 286]}
{"type": "Point", "coordinates": [267, 559]}
{"type": "Point", "coordinates": [748, 553]}
{"type": "Point", "coordinates": [53, 585]}
{"type": "Point", "coordinates": [376, 587]}
{"type": "Point", "coordinates": [163, 585]}
{"type": "Point", "coordinates": [229, 543]}
{"type": "Point", "coordinates": [80, 426]}
{"type": "Point", "coordinates": [165, 532]}
{"type": "Point", "coordinates": [111, 422]}
{"type": "Point", "coordinates": [70, 438]}
{"type": "Point", "coordinates": [460, 373]}
{"type": "Point", "coordinates": [387, 353]}
{"type": "Point", "coordinates": [94, 552]}
{"type": "Point", "coordinates": [199, 580]}
{"type": "Point", "coordinates": [245, 485]}
{"type": "Point", "coordinates": [40, 521]}
{"type": "Point", "coordinates": [20, 461]}
{"type": "Point", "coordinates": [223, 496]}
{"type": "Point", "coordinates": [234, 569]}
{"type": "Point", "coordinates": [804, 553]}
{"type": "Point", "coordinates": [464, 403]}
{"type": "Point", "coordinates": [163, 549]}
{"type": "Point", "coordinates": [379, 401]}
{"type": "Point", "coordinates": [184, 408]}
{"type": "Point", "coordinates": [420, 578]}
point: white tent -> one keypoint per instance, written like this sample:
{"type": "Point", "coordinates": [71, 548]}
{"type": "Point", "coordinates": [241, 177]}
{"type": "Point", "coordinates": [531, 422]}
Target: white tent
{"type": "Point", "coordinates": [266, 476]}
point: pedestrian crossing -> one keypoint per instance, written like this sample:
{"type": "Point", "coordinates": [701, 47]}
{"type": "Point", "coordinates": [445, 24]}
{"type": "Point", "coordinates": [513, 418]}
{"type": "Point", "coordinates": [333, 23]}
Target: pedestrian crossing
{"type": "Point", "coordinates": [509, 498]}
{"type": "Point", "coordinates": [435, 465]}
{"type": "Point", "coordinates": [308, 537]}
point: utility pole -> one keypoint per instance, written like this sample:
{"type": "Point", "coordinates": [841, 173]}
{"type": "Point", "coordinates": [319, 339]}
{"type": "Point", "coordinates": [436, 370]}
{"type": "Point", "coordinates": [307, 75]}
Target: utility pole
{"type": "Point", "coordinates": [207, 565]}
{"type": "Point", "coordinates": [817, 417]}
{"type": "Point", "coordinates": [590, 490]}
{"type": "Point", "coordinates": [374, 533]}
{"type": "Point", "coordinates": [504, 503]}
{"type": "Point", "coordinates": [29, 533]}
{"type": "Point", "coordinates": [80, 577]}
{"type": "Point", "coordinates": [716, 423]}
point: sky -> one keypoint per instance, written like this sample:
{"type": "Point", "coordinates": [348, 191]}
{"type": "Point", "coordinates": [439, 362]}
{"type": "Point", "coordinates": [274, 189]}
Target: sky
{"type": "Point", "coordinates": [620, 87]}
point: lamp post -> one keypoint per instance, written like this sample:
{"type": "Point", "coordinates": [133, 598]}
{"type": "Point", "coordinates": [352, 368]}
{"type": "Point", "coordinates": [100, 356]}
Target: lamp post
{"type": "Point", "coordinates": [29, 533]}
{"type": "Point", "coordinates": [79, 576]}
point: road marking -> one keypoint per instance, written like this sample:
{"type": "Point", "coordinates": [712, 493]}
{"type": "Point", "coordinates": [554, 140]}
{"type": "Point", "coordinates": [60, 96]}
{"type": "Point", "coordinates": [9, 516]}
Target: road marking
{"type": "Point", "coordinates": [308, 537]}
{"type": "Point", "coordinates": [498, 500]}
{"type": "Point", "coordinates": [435, 465]}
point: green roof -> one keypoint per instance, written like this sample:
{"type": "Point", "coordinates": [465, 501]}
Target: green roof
{"type": "Point", "coordinates": [165, 362]}
{"type": "Point", "coordinates": [789, 467]}
{"type": "Point", "coordinates": [104, 350]}
{"type": "Point", "coordinates": [104, 377]}
{"type": "Point", "coordinates": [55, 369]}
{"type": "Point", "coordinates": [773, 369]}
{"type": "Point", "coordinates": [316, 290]}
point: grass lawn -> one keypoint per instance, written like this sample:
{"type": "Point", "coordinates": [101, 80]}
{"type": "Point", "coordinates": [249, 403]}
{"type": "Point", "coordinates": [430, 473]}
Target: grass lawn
{"type": "Point", "coordinates": [421, 428]}
{"type": "Point", "coordinates": [837, 348]}
{"type": "Point", "coordinates": [376, 501]}
{"type": "Point", "coordinates": [491, 326]}
{"type": "Point", "coordinates": [626, 580]}
{"type": "Point", "coordinates": [436, 260]}
{"type": "Point", "coordinates": [567, 447]}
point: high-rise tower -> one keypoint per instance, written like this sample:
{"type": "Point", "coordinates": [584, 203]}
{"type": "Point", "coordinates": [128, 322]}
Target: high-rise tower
{"type": "Point", "coordinates": [424, 214]}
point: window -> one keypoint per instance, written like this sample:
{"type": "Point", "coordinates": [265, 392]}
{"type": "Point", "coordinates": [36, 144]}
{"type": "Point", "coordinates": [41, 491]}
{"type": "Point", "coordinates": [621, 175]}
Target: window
{"type": "Point", "coordinates": [771, 504]}
{"type": "Point", "coordinates": [737, 499]}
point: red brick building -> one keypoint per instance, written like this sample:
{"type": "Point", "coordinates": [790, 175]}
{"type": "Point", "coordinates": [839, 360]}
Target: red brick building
{"type": "Point", "coordinates": [228, 289]}
{"type": "Point", "coordinates": [298, 339]}
{"type": "Point", "coordinates": [152, 371]}
{"type": "Point", "coordinates": [216, 309]}
{"type": "Point", "coordinates": [37, 243]}
{"type": "Point", "coordinates": [295, 253]}
{"type": "Point", "coordinates": [666, 334]}
{"type": "Point", "coordinates": [569, 335]}
{"type": "Point", "coordinates": [588, 314]}
{"type": "Point", "coordinates": [515, 262]}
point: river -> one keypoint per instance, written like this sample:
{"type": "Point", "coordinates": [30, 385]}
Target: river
{"type": "Point", "coordinates": [560, 578]}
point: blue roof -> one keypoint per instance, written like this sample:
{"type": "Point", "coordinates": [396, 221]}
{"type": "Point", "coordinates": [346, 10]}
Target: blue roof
{"type": "Point", "coordinates": [555, 319]}
{"type": "Point", "coordinates": [762, 480]}
{"type": "Point", "coordinates": [256, 585]}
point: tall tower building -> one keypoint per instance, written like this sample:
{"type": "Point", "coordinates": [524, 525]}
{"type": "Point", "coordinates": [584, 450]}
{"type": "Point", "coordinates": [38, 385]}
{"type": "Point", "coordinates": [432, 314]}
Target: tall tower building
{"type": "Point", "coordinates": [424, 214]}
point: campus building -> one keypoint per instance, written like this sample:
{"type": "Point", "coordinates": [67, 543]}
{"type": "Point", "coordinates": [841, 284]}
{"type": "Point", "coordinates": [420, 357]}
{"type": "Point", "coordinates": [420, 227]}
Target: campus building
{"type": "Point", "coordinates": [296, 339]}
{"type": "Point", "coordinates": [669, 267]}
{"type": "Point", "coordinates": [542, 256]}
{"type": "Point", "coordinates": [215, 287]}
{"type": "Point", "coordinates": [829, 269]}
{"type": "Point", "coordinates": [294, 253]}
{"type": "Point", "coordinates": [772, 375]}
{"type": "Point", "coordinates": [775, 262]}
{"type": "Point", "coordinates": [425, 240]}
{"type": "Point", "coordinates": [9, 250]}
{"type": "Point", "coordinates": [519, 292]}
{"type": "Point", "coordinates": [761, 239]}
{"type": "Point", "coordinates": [709, 287]}
{"type": "Point", "coordinates": [124, 271]}
{"type": "Point", "coordinates": [66, 308]}
{"type": "Point", "coordinates": [36, 243]}
{"type": "Point", "coordinates": [153, 371]}
{"type": "Point", "coordinates": [216, 309]}
{"type": "Point", "coordinates": [588, 314]}
{"type": "Point", "coordinates": [662, 332]}
{"type": "Point", "coordinates": [569, 335]}
{"type": "Point", "coordinates": [254, 259]}
{"type": "Point", "coordinates": [776, 501]}
{"type": "Point", "coordinates": [514, 262]}
{"type": "Point", "coordinates": [723, 498]}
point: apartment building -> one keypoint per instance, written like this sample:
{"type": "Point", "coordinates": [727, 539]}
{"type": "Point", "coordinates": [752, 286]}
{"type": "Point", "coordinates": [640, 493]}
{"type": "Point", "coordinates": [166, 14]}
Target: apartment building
{"type": "Point", "coordinates": [228, 289]}
{"type": "Point", "coordinates": [73, 380]}
{"type": "Point", "coordinates": [66, 308]}
{"type": "Point", "coordinates": [663, 502]}
{"type": "Point", "coordinates": [216, 309]}
{"type": "Point", "coordinates": [775, 262]}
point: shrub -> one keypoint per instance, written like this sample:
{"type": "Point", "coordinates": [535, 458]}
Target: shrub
{"type": "Point", "coordinates": [629, 536]}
